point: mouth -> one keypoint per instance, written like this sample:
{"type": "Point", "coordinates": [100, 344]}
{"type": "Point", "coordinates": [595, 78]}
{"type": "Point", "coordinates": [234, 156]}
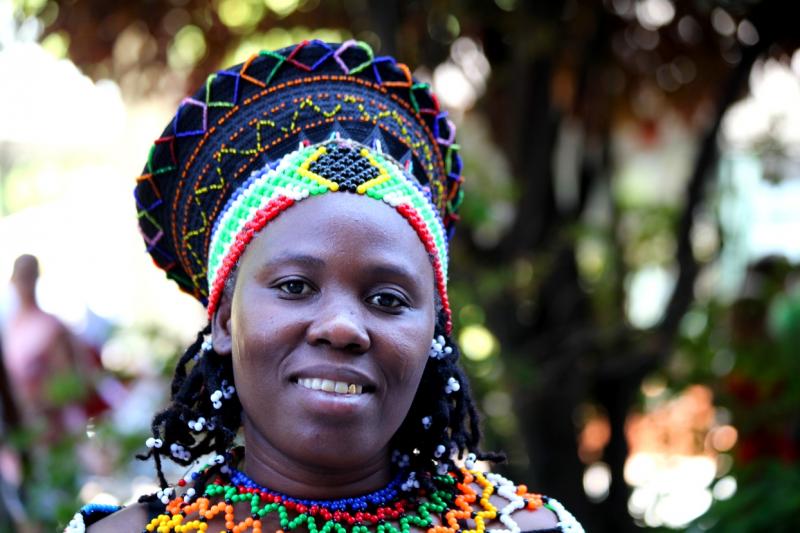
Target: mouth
{"type": "Point", "coordinates": [343, 388]}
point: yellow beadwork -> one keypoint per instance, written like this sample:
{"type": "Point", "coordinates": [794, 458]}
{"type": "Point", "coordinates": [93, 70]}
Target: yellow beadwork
{"type": "Point", "coordinates": [383, 176]}
{"type": "Point", "coordinates": [468, 505]}
{"type": "Point", "coordinates": [489, 511]}
{"type": "Point", "coordinates": [303, 170]}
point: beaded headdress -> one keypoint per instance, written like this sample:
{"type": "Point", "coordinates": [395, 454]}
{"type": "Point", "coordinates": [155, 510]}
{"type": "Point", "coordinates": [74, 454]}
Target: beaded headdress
{"type": "Point", "coordinates": [307, 120]}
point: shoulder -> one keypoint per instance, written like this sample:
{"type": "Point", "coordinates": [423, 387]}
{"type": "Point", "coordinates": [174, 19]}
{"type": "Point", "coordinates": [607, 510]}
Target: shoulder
{"type": "Point", "coordinates": [567, 522]}
{"type": "Point", "coordinates": [112, 519]}
{"type": "Point", "coordinates": [551, 516]}
{"type": "Point", "coordinates": [520, 510]}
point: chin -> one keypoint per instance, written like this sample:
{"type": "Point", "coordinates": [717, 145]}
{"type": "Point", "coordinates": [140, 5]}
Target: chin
{"type": "Point", "coordinates": [339, 453]}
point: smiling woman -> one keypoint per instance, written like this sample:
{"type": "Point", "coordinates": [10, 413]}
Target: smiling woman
{"type": "Point", "coordinates": [329, 325]}
{"type": "Point", "coordinates": [328, 347]}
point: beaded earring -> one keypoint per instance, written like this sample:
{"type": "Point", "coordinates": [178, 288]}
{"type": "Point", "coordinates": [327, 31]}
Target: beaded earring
{"type": "Point", "coordinates": [206, 347]}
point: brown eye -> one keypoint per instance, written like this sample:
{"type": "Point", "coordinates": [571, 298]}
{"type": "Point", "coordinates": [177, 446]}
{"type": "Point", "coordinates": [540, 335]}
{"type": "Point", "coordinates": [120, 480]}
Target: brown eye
{"type": "Point", "coordinates": [387, 299]}
{"type": "Point", "coordinates": [295, 287]}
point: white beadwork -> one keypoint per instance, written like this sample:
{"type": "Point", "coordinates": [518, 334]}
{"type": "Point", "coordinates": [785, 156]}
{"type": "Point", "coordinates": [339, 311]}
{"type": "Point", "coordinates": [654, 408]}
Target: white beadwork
{"type": "Point", "coordinates": [452, 386]}
{"type": "Point", "coordinates": [506, 489]}
{"type": "Point", "coordinates": [76, 525]}
{"type": "Point", "coordinates": [469, 462]}
{"type": "Point", "coordinates": [566, 521]}
{"type": "Point", "coordinates": [207, 344]}
{"type": "Point", "coordinates": [439, 348]}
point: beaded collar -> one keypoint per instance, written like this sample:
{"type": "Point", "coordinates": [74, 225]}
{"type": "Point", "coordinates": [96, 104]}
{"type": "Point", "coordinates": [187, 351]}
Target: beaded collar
{"type": "Point", "coordinates": [435, 503]}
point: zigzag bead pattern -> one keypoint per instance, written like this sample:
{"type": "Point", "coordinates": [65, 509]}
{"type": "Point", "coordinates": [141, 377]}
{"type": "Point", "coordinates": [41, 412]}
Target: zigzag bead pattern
{"type": "Point", "coordinates": [336, 165]}
{"type": "Point", "coordinates": [448, 503]}
{"type": "Point", "coordinates": [452, 499]}
{"type": "Point", "coordinates": [250, 116]}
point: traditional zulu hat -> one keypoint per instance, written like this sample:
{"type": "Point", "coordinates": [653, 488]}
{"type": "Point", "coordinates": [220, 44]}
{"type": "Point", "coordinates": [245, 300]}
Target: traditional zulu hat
{"type": "Point", "coordinates": [306, 120]}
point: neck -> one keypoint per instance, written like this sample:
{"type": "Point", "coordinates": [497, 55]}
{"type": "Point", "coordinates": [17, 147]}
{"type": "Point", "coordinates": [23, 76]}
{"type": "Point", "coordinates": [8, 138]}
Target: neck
{"type": "Point", "coordinates": [27, 305]}
{"type": "Point", "coordinates": [280, 472]}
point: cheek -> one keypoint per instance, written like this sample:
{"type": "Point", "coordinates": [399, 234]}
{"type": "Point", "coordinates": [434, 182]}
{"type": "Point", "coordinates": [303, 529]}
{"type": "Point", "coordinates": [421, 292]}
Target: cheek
{"type": "Point", "coordinates": [255, 337]}
{"type": "Point", "coordinates": [411, 354]}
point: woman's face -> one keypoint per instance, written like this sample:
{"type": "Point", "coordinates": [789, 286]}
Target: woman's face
{"type": "Point", "coordinates": [329, 325]}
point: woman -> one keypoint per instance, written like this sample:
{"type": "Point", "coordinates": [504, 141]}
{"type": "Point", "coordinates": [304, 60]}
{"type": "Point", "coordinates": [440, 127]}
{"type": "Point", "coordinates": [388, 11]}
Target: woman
{"type": "Point", "coordinates": [328, 342]}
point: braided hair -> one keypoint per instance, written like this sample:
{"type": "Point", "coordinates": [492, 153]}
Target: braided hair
{"type": "Point", "coordinates": [442, 420]}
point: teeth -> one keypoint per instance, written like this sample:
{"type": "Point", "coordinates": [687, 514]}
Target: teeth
{"type": "Point", "coordinates": [327, 385]}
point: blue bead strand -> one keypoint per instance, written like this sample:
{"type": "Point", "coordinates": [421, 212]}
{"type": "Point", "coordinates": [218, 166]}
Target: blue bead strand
{"type": "Point", "coordinates": [378, 498]}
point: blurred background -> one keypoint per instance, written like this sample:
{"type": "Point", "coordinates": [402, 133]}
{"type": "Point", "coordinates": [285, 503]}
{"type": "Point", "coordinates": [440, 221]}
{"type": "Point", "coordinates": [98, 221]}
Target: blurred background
{"type": "Point", "coordinates": [626, 273]}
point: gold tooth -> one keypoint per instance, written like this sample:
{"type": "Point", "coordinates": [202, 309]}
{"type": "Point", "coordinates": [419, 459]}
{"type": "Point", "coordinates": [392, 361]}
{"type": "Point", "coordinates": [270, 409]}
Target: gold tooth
{"type": "Point", "coordinates": [351, 389]}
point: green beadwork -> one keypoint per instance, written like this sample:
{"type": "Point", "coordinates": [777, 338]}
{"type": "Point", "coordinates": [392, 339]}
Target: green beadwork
{"type": "Point", "coordinates": [436, 503]}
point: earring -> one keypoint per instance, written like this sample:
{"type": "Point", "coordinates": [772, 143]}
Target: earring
{"type": "Point", "coordinates": [206, 347]}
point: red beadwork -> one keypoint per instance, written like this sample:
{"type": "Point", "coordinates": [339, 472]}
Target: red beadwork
{"type": "Point", "coordinates": [425, 236]}
{"type": "Point", "coordinates": [263, 216]}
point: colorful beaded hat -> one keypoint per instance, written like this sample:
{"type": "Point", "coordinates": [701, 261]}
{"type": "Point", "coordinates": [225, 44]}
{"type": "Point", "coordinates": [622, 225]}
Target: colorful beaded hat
{"type": "Point", "coordinates": [306, 120]}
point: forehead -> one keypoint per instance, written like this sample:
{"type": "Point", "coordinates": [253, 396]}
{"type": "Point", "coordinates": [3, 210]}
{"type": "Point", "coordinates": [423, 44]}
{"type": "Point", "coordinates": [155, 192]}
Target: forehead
{"type": "Point", "coordinates": [351, 228]}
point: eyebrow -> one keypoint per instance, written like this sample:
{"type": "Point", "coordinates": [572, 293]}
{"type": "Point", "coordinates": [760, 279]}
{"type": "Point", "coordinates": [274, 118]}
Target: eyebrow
{"type": "Point", "coordinates": [296, 258]}
{"type": "Point", "coordinates": [380, 269]}
{"type": "Point", "coordinates": [392, 270]}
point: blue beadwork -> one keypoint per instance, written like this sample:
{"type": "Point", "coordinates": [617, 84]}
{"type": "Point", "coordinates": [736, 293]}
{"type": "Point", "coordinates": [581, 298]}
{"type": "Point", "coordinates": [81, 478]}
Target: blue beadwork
{"type": "Point", "coordinates": [94, 508]}
{"type": "Point", "coordinates": [379, 498]}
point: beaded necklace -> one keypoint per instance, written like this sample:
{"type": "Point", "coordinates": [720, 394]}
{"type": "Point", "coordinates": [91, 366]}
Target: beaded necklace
{"type": "Point", "coordinates": [444, 504]}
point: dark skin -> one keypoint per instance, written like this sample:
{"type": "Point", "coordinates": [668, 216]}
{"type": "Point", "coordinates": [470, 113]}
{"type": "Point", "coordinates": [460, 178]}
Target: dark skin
{"type": "Point", "coordinates": [338, 287]}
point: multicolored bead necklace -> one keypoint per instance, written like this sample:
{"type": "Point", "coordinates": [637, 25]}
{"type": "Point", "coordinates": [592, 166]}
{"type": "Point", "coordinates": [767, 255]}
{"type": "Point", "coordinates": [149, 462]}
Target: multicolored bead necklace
{"type": "Point", "coordinates": [379, 498]}
{"type": "Point", "coordinates": [448, 502]}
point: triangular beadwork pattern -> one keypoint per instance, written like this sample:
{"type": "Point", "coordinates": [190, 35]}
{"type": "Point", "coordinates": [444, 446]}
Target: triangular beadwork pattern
{"type": "Point", "coordinates": [199, 121]}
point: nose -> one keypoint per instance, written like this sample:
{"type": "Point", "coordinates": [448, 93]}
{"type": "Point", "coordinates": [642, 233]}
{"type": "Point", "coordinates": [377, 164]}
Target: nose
{"type": "Point", "coordinates": [338, 325]}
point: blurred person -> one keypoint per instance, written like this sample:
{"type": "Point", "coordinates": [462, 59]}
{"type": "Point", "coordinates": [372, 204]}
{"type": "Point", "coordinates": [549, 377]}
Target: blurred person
{"type": "Point", "coordinates": [45, 362]}
{"type": "Point", "coordinates": [49, 371]}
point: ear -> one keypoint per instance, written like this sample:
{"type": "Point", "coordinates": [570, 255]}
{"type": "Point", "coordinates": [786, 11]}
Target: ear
{"type": "Point", "coordinates": [221, 337]}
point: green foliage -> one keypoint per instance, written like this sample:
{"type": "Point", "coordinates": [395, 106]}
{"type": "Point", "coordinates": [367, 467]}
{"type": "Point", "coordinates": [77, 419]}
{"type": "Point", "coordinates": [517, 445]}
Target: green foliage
{"type": "Point", "coordinates": [767, 499]}
{"type": "Point", "coordinates": [747, 351]}
{"type": "Point", "coordinates": [66, 388]}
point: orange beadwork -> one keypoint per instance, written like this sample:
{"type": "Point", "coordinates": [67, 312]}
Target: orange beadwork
{"type": "Point", "coordinates": [466, 505]}
{"type": "Point", "coordinates": [301, 94]}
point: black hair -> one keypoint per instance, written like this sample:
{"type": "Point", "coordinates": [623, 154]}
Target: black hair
{"type": "Point", "coordinates": [451, 418]}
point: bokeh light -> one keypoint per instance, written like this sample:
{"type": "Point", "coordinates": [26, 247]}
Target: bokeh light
{"type": "Point", "coordinates": [477, 342]}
